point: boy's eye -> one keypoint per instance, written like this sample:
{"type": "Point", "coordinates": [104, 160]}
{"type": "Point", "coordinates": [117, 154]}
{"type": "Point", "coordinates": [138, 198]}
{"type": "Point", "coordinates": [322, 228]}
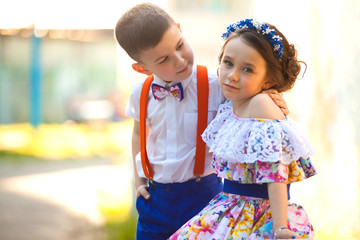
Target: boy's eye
{"type": "Point", "coordinates": [180, 46]}
{"type": "Point", "coordinates": [164, 60]}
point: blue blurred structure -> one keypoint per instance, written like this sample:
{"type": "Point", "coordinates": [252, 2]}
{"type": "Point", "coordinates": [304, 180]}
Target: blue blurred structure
{"type": "Point", "coordinates": [0, 74]}
{"type": "Point", "coordinates": [35, 82]}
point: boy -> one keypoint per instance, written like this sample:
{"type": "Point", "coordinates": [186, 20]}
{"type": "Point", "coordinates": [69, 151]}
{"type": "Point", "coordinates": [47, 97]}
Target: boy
{"type": "Point", "coordinates": [154, 40]}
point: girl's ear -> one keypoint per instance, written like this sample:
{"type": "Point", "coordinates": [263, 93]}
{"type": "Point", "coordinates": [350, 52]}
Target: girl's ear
{"type": "Point", "coordinates": [140, 69]}
{"type": "Point", "coordinates": [268, 84]}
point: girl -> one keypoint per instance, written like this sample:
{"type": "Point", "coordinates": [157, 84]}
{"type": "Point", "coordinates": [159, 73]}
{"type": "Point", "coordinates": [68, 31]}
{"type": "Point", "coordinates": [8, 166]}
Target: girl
{"type": "Point", "coordinates": [256, 148]}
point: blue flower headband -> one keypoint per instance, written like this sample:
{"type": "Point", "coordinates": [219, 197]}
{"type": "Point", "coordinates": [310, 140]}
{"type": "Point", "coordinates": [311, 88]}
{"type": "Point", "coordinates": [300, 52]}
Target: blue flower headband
{"type": "Point", "coordinates": [261, 28]}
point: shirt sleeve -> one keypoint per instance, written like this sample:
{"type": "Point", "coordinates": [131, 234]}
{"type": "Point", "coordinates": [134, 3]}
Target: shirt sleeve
{"type": "Point", "coordinates": [133, 106]}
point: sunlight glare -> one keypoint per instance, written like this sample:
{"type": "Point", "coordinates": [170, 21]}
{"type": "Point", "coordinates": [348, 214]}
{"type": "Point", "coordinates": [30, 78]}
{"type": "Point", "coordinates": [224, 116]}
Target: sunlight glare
{"type": "Point", "coordinates": [66, 14]}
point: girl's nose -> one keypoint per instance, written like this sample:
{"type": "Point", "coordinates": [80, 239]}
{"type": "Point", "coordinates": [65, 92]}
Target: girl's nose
{"type": "Point", "coordinates": [234, 75]}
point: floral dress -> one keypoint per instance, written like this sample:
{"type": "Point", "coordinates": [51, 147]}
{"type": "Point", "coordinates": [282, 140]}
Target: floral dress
{"type": "Point", "coordinates": [251, 151]}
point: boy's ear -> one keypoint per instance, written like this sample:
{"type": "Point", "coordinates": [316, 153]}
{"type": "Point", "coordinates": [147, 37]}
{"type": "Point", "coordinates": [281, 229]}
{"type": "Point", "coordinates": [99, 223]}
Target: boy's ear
{"type": "Point", "coordinates": [178, 25]}
{"type": "Point", "coordinates": [140, 69]}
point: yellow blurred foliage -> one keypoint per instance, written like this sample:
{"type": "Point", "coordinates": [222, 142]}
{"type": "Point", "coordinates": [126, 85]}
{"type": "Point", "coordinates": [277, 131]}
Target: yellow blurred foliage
{"type": "Point", "coordinates": [115, 208]}
{"type": "Point", "coordinates": [57, 141]}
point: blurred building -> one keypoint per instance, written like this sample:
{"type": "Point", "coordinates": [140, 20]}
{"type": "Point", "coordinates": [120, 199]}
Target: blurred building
{"type": "Point", "coordinates": [57, 59]}
{"type": "Point", "coordinates": [73, 65]}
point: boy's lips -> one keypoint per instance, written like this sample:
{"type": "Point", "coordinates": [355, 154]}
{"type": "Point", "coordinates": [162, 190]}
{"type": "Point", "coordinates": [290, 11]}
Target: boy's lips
{"type": "Point", "coordinates": [184, 70]}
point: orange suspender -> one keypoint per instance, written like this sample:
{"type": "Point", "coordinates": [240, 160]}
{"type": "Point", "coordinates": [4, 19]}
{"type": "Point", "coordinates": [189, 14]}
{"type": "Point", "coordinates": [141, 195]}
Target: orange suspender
{"type": "Point", "coordinates": [203, 95]}
{"type": "Point", "coordinates": [143, 109]}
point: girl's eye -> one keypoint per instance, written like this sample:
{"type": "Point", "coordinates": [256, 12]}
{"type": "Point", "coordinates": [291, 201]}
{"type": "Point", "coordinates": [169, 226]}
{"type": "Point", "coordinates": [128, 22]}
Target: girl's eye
{"type": "Point", "coordinates": [228, 63]}
{"type": "Point", "coordinates": [247, 70]}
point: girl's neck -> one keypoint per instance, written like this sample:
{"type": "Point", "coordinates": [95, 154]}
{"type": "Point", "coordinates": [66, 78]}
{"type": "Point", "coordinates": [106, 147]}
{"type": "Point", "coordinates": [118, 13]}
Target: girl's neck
{"type": "Point", "coordinates": [240, 107]}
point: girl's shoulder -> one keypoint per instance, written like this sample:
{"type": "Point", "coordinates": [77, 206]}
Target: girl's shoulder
{"type": "Point", "coordinates": [262, 106]}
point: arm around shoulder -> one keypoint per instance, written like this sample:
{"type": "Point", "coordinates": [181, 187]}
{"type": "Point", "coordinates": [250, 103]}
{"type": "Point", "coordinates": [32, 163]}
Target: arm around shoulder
{"type": "Point", "coordinates": [262, 106]}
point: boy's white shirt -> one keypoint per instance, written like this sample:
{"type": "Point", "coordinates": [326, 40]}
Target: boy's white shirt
{"type": "Point", "coordinates": [171, 143]}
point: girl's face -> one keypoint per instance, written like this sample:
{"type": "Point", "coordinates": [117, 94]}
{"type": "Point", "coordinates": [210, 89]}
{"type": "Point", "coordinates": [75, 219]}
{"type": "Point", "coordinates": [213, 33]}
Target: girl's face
{"type": "Point", "coordinates": [242, 71]}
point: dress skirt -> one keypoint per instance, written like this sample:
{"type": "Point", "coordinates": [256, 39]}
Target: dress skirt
{"type": "Point", "coordinates": [232, 216]}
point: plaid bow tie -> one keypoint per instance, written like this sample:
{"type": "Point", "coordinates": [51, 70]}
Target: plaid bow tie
{"type": "Point", "coordinates": [161, 92]}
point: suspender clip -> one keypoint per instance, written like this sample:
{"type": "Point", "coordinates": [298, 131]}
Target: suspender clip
{"type": "Point", "coordinates": [197, 178]}
{"type": "Point", "coordinates": [151, 181]}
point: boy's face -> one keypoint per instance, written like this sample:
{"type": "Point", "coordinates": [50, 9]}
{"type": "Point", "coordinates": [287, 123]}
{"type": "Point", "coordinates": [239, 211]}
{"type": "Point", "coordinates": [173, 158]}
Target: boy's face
{"type": "Point", "coordinates": [172, 59]}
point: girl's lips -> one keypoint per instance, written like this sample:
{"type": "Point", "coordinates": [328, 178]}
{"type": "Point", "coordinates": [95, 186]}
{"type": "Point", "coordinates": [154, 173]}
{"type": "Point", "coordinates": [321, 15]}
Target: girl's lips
{"type": "Point", "coordinates": [229, 86]}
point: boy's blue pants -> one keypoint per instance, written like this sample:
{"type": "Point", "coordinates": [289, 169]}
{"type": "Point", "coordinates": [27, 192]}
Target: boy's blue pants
{"type": "Point", "coordinates": [172, 205]}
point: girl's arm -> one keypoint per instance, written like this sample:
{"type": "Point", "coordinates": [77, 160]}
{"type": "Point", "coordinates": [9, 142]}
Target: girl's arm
{"type": "Point", "coordinates": [279, 205]}
{"type": "Point", "coordinates": [262, 106]}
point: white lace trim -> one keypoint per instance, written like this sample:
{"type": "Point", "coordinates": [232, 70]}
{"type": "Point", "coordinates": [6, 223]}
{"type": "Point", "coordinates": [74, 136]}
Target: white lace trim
{"type": "Point", "coordinates": [246, 140]}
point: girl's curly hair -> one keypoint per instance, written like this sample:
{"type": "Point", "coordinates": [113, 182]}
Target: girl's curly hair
{"type": "Point", "coordinates": [282, 73]}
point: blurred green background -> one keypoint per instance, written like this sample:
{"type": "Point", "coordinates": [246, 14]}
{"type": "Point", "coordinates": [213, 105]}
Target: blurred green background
{"type": "Point", "coordinates": [64, 84]}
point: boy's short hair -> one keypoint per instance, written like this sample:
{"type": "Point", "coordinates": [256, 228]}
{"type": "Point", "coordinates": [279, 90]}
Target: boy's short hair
{"type": "Point", "coordinates": [141, 28]}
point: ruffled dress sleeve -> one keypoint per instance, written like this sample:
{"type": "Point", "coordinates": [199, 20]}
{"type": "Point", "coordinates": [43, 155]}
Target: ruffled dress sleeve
{"type": "Point", "coordinates": [252, 150]}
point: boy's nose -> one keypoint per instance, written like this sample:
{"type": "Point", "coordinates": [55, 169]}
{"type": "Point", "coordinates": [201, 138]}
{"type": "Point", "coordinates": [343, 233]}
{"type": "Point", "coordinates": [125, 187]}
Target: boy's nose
{"type": "Point", "coordinates": [179, 59]}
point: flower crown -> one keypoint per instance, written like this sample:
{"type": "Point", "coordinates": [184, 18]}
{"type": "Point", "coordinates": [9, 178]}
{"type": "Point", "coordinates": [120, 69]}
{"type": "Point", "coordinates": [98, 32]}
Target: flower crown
{"type": "Point", "coordinates": [261, 28]}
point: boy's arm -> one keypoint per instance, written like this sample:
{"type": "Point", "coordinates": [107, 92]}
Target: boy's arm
{"type": "Point", "coordinates": [140, 183]}
{"type": "Point", "coordinates": [278, 100]}
{"type": "Point", "coordinates": [279, 205]}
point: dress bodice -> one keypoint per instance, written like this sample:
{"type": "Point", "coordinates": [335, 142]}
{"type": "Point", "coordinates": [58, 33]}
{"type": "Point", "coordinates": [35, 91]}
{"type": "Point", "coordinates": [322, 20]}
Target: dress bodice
{"type": "Point", "coordinates": [253, 150]}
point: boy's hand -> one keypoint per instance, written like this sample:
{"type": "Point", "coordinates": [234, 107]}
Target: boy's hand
{"type": "Point", "coordinates": [142, 190]}
{"type": "Point", "coordinates": [278, 100]}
